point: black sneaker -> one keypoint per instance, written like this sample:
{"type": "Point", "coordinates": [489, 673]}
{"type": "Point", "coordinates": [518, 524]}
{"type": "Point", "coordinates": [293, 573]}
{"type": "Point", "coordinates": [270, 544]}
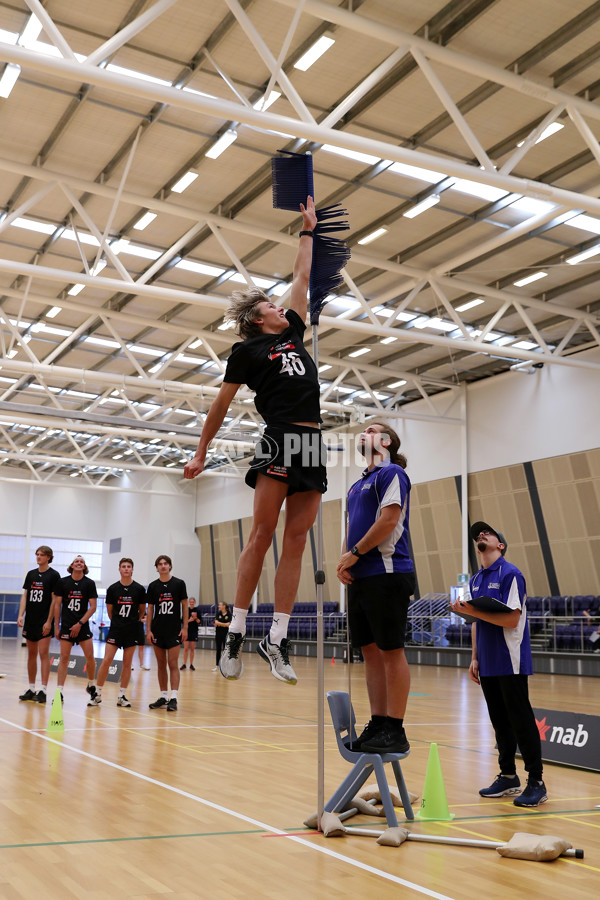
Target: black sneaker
{"type": "Point", "coordinates": [91, 689]}
{"type": "Point", "coordinates": [192, 668]}
{"type": "Point", "coordinates": [181, 668]}
{"type": "Point", "coordinates": [369, 731]}
{"type": "Point", "coordinates": [172, 705]}
{"type": "Point", "coordinates": [388, 740]}
{"type": "Point", "coordinates": [28, 695]}
{"type": "Point", "coordinates": [158, 704]}
{"type": "Point", "coordinates": [534, 794]}
{"type": "Point", "coordinates": [40, 697]}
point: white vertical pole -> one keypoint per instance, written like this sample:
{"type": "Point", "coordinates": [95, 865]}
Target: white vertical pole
{"type": "Point", "coordinates": [464, 473]}
{"type": "Point", "coordinates": [320, 579]}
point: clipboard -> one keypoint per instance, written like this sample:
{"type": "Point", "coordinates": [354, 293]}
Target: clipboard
{"type": "Point", "coordinates": [484, 604]}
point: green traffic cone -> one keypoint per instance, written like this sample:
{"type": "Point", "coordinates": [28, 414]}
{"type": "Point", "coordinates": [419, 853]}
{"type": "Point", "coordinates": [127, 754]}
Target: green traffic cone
{"type": "Point", "coordinates": [434, 803]}
{"type": "Point", "coordinates": [56, 722]}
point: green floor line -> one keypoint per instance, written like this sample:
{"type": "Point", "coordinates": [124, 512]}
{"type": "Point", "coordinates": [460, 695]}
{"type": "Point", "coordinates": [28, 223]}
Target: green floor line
{"type": "Point", "coordinates": [150, 837]}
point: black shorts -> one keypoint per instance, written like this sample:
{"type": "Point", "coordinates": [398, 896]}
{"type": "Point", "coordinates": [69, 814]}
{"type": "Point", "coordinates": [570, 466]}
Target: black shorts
{"type": "Point", "coordinates": [84, 634]}
{"type": "Point", "coordinates": [34, 632]}
{"type": "Point", "coordinates": [141, 633]}
{"type": "Point", "coordinates": [166, 640]}
{"type": "Point", "coordinates": [291, 454]}
{"type": "Point", "coordinates": [123, 637]}
{"type": "Point", "coordinates": [377, 609]}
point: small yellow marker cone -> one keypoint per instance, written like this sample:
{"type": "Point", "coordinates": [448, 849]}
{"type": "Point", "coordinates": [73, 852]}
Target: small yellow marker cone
{"type": "Point", "coordinates": [434, 803]}
{"type": "Point", "coordinates": [56, 714]}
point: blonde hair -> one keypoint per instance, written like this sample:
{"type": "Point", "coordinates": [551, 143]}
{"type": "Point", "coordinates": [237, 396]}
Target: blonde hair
{"type": "Point", "coordinates": [243, 312]}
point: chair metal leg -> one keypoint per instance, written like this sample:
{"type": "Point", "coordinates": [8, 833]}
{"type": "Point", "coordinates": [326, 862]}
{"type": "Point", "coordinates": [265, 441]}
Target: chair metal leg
{"type": "Point", "coordinates": [350, 786]}
{"type": "Point", "coordinates": [408, 810]}
{"type": "Point", "coordinates": [384, 793]}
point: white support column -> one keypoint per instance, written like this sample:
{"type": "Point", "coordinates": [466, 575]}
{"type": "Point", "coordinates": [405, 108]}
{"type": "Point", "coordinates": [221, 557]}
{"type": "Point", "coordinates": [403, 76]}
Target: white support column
{"type": "Point", "coordinates": [51, 29]}
{"type": "Point", "coordinates": [464, 479]}
{"type": "Point", "coordinates": [129, 31]}
{"type": "Point", "coordinates": [26, 205]}
{"type": "Point", "coordinates": [515, 158]}
{"type": "Point", "coordinates": [585, 131]}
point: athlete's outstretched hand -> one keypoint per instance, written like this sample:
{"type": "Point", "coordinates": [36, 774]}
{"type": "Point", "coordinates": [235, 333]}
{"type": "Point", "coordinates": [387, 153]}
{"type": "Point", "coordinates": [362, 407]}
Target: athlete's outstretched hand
{"type": "Point", "coordinates": [309, 216]}
{"type": "Point", "coordinates": [193, 468]}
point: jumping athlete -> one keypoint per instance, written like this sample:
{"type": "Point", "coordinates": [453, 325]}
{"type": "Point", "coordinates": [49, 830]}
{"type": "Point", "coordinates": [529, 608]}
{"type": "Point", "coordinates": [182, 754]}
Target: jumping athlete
{"type": "Point", "coordinates": [125, 603]}
{"type": "Point", "coordinates": [167, 628]}
{"type": "Point", "coordinates": [36, 607]}
{"type": "Point", "coordinates": [75, 598]}
{"type": "Point", "coordinates": [289, 461]}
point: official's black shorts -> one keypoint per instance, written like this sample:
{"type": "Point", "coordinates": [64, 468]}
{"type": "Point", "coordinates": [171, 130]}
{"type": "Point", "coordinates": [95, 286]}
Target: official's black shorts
{"type": "Point", "coordinates": [84, 634]}
{"type": "Point", "coordinates": [123, 637]}
{"type": "Point", "coordinates": [291, 454]}
{"type": "Point", "coordinates": [166, 640]}
{"type": "Point", "coordinates": [377, 609]}
{"type": "Point", "coordinates": [34, 632]}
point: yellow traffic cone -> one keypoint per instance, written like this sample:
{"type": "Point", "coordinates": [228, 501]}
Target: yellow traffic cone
{"type": "Point", "coordinates": [56, 722]}
{"type": "Point", "coordinates": [434, 803]}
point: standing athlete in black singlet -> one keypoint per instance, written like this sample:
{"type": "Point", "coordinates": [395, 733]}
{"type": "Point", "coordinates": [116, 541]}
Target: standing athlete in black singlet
{"type": "Point", "coordinates": [289, 462]}
{"type": "Point", "coordinates": [167, 628]}
{"type": "Point", "coordinates": [75, 600]}
{"type": "Point", "coordinates": [125, 603]}
{"type": "Point", "coordinates": [36, 607]}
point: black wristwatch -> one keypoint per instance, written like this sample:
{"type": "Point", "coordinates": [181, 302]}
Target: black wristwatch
{"type": "Point", "coordinates": [307, 233]}
{"type": "Point", "coordinates": [356, 551]}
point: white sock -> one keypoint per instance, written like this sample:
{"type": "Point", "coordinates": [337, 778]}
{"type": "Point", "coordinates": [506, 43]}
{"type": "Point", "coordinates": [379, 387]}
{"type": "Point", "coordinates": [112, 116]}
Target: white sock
{"type": "Point", "coordinates": [99, 691]}
{"type": "Point", "coordinates": [121, 691]}
{"type": "Point", "coordinates": [279, 627]}
{"type": "Point", "coordinates": [32, 687]}
{"type": "Point", "coordinates": [173, 695]}
{"type": "Point", "coordinates": [45, 688]}
{"type": "Point", "coordinates": [238, 621]}
{"type": "Point", "coordinates": [91, 684]}
{"type": "Point", "coordinates": [164, 694]}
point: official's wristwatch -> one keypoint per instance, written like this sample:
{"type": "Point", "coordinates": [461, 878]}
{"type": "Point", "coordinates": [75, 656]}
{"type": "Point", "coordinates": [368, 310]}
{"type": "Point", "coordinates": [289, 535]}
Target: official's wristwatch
{"type": "Point", "coordinates": [356, 551]}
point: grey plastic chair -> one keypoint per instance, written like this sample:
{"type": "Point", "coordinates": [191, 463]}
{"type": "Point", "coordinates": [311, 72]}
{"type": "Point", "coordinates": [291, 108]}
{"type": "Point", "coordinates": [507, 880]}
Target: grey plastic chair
{"type": "Point", "coordinates": [344, 720]}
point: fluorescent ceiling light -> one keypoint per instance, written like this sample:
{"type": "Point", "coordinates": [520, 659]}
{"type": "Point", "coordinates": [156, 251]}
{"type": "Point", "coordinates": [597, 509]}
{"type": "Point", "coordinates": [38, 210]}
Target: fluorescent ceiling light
{"type": "Point", "coordinates": [264, 283]}
{"type": "Point", "coordinates": [49, 329]}
{"type": "Point", "coordinates": [100, 265]}
{"type": "Point", "coordinates": [225, 141]}
{"type": "Point", "coordinates": [280, 289]}
{"type": "Point", "coordinates": [102, 342]}
{"type": "Point", "coordinates": [265, 102]}
{"type": "Point", "coordinates": [73, 474]}
{"type": "Point", "coordinates": [81, 236]}
{"type": "Point", "coordinates": [314, 53]}
{"type": "Point", "coordinates": [31, 32]}
{"type": "Point", "coordinates": [225, 326]}
{"type": "Point", "coordinates": [196, 344]}
{"type": "Point", "coordinates": [397, 384]}
{"type": "Point", "coordinates": [142, 252]}
{"type": "Point", "coordinates": [366, 158]}
{"type": "Point", "coordinates": [475, 189]}
{"type": "Point", "coordinates": [440, 325]}
{"type": "Point", "coordinates": [184, 182]}
{"type": "Point", "coordinates": [373, 236]}
{"type": "Point", "coordinates": [145, 351]}
{"type": "Point", "coordinates": [525, 345]}
{"type": "Point", "coordinates": [8, 37]}
{"type": "Point", "coordinates": [529, 279]}
{"type": "Point", "coordinates": [360, 352]}
{"type": "Point", "coordinates": [546, 133]}
{"type": "Point", "coordinates": [76, 289]}
{"type": "Point", "coordinates": [532, 207]}
{"type": "Point", "coordinates": [191, 360]}
{"type": "Point", "coordinates": [52, 314]}
{"type": "Point", "coordinates": [505, 339]}
{"type": "Point", "coordinates": [144, 221]}
{"type": "Point", "coordinates": [388, 340]}
{"type": "Point", "coordinates": [132, 73]}
{"type": "Point", "coordinates": [469, 305]}
{"type": "Point", "coordinates": [324, 367]}
{"type": "Point", "coordinates": [12, 353]}
{"type": "Point", "coordinates": [155, 368]}
{"type": "Point", "coordinates": [200, 268]}
{"type": "Point", "coordinates": [414, 172]}
{"type": "Point", "coordinates": [9, 78]}
{"type": "Point", "coordinates": [33, 225]}
{"type": "Point", "coordinates": [120, 245]}
{"type": "Point", "coordinates": [421, 207]}
{"type": "Point", "coordinates": [586, 223]}
{"type": "Point", "coordinates": [585, 254]}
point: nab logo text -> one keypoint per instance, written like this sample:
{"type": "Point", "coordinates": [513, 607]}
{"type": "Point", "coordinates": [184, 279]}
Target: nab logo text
{"type": "Point", "coordinates": [560, 735]}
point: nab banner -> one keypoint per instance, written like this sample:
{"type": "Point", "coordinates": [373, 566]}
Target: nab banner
{"type": "Point", "coordinates": [569, 738]}
{"type": "Point", "coordinates": [77, 666]}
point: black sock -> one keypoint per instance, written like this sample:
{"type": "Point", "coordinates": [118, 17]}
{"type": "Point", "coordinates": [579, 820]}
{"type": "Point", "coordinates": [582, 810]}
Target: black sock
{"type": "Point", "coordinates": [396, 724]}
{"type": "Point", "coordinates": [378, 720]}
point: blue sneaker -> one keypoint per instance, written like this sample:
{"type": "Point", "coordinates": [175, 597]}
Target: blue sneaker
{"type": "Point", "coordinates": [533, 795]}
{"type": "Point", "coordinates": [503, 786]}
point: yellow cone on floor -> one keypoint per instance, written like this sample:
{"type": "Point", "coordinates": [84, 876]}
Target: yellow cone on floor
{"type": "Point", "coordinates": [56, 714]}
{"type": "Point", "coordinates": [434, 803]}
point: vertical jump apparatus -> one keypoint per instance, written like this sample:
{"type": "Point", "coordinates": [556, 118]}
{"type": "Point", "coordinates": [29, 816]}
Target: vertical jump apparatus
{"type": "Point", "coordinates": [292, 178]}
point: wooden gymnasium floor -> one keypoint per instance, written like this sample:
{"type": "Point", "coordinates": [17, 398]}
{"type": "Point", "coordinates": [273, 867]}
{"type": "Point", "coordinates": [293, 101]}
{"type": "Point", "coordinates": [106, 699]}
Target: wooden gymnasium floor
{"type": "Point", "coordinates": [209, 801]}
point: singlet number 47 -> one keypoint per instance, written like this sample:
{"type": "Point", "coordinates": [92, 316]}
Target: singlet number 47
{"type": "Point", "coordinates": [292, 364]}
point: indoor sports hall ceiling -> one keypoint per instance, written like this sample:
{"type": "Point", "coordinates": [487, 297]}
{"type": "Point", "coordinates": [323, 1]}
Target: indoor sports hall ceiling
{"type": "Point", "coordinates": [135, 146]}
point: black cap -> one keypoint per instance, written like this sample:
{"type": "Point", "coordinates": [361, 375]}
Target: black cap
{"type": "Point", "coordinates": [478, 527]}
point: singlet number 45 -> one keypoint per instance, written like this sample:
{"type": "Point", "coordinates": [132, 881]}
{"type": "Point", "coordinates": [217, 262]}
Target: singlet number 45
{"type": "Point", "coordinates": [292, 364]}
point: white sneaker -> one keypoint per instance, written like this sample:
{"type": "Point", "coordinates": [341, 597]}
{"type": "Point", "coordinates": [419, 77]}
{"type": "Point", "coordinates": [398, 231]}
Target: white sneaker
{"type": "Point", "coordinates": [95, 701]}
{"type": "Point", "coordinates": [123, 701]}
{"type": "Point", "coordinates": [230, 664]}
{"type": "Point", "coordinates": [277, 655]}
{"type": "Point", "coordinates": [215, 668]}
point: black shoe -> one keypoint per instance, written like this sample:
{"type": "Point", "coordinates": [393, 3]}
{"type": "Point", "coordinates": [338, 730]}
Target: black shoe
{"type": "Point", "coordinates": [388, 740]}
{"type": "Point", "coordinates": [172, 705]}
{"type": "Point", "coordinates": [91, 689]}
{"type": "Point", "coordinates": [192, 668]}
{"type": "Point", "coordinates": [158, 704]}
{"type": "Point", "coordinates": [28, 695]}
{"type": "Point", "coordinates": [40, 697]}
{"type": "Point", "coordinates": [369, 731]}
{"type": "Point", "coordinates": [181, 668]}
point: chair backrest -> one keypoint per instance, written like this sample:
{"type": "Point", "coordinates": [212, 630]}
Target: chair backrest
{"type": "Point", "coordinates": [344, 720]}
